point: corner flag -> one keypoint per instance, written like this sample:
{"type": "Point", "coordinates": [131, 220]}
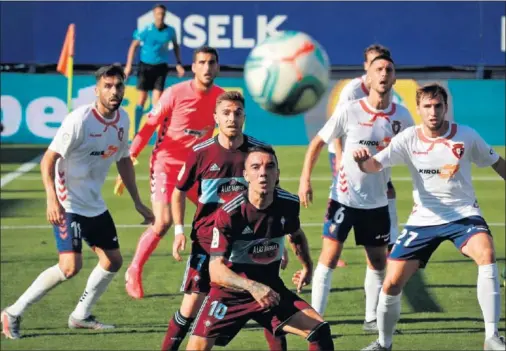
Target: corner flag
{"type": "Point", "coordinates": [66, 62]}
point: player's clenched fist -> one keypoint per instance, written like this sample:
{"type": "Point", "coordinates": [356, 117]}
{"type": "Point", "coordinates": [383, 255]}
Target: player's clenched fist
{"type": "Point", "coordinates": [361, 155]}
{"type": "Point", "coordinates": [264, 295]}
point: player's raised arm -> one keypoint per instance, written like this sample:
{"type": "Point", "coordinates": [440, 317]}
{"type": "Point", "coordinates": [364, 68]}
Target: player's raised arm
{"type": "Point", "coordinates": [162, 110]}
{"type": "Point", "coordinates": [334, 128]}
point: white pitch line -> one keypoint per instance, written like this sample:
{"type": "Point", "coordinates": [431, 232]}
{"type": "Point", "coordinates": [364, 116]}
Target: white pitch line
{"type": "Point", "coordinates": [290, 179]}
{"type": "Point", "coordinates": [47, 226]}
{"type": "Point", "coordinates": [25, 167]}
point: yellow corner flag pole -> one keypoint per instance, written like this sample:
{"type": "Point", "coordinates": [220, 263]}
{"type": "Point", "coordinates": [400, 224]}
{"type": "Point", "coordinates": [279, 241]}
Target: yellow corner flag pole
{"type": "Point", "coordinates": [66, 62]}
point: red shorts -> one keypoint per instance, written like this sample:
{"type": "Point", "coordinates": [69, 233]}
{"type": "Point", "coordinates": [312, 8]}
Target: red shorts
{"type": "Point", "coordinates": [223, 314]}
{"type": "Point", "coordinates": [163, 179]}
{"type": "Point", "coordinates": [196, 275]}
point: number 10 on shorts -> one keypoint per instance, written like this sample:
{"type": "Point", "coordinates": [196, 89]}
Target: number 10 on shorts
{"type": "Point", "coordinates": [412, 236]}
{"type": "Point", "coordinates": [218, 310]}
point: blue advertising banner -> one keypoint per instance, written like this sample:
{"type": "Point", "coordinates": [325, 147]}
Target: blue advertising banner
{"type": "Point", "coordinates": [459, 33]}
{"type": "Point", "coordinates": [33, 106]}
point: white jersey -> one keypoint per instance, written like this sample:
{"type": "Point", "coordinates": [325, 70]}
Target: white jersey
{"type": "Point", "coordinates": [355, 89]}
{"type": "Point", "coordinates": [363, 126]}
{"type": "Point", "coordinates": [88, 145]}
{"type": "Point", "coordinates": [441, 170]}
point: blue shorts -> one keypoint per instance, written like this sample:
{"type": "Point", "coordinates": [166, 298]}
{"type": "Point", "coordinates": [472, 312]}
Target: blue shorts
{"type": "Point", "coordinates": [371, 226]}
{"type": "Point", "coordinates": [98, 231]}
{"type": "Point", "coordinates": [418, 243]}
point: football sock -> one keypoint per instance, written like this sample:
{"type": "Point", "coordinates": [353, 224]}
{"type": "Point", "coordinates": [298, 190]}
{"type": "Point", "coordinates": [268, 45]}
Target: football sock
{"type": "Point", "coordinates": [322, 281]}
{"type": "Point", "coordinates": [98, 282]}
{"type": "Point", "coordinates": [372, 287]}
{"type": "Point", "coordinates": [489, 297]}
{"type": "Point", "coordinates": [46, 281]}
{"type": "Point", "coordinates": [176, 332]}
{"type": "Point", "coordinates": [389, 311]}
{"type": "Point", "coordinates": [145, 247]}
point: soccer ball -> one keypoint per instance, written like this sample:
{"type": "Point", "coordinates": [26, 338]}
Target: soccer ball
{"type": "Point", "coordinates": [288, 73]}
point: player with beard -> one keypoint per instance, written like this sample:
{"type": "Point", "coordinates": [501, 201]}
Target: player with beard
{"type": "Point", "coordinates": [216, 168]}
{"type": "Point", "coordinates": [360, 201]}
{"type": "Point", "coordinates": [184, 116]}
{"type": "Point", "coordinates": [74, 169]}
{"type": "Point", "coordinates": [248, 237]}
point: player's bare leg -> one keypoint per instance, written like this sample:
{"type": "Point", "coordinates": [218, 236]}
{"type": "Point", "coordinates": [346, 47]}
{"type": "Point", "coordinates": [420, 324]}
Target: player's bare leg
{"type": "Point", "coordinates": [322, 277]}
{"type": "Point", "coordinates": [311, 326]}
{"type": "Point", "coordinates": [375, 274]}
{"type": "Point", "coordinates": [392, 211]}
{"type": "Point", "coordinates": [480, 247]}
{"type": "Point", "coordinates": [148, 242]}
{"type": "Point", "coordinates": [198, 343]}
{"type": "Point", "coordinates": [181, 321]}
{"type": "Point", "coordinates": [109, 263]}
{"type": "Point", "coordinates": [155, 96]}
{"type": "Point", "coordinates": [139, 109]}
{"type": "Point", "coordinates": [69, 264]}
{"type": "Point", "coordinates": [389, 305]}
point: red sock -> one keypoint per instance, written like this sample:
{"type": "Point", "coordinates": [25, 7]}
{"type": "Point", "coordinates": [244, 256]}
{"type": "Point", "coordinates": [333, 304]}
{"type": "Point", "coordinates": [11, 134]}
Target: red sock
{"type": "Point", "coordinates": [174, 336]}
{"type": "Point", "coordinates": [145, 247]}
{"type": "Point", "coordinates": [275, 344]}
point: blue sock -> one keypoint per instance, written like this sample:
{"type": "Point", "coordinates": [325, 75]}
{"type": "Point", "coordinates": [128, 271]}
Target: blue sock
{"type": "Point", "coordinates": [138, 116]}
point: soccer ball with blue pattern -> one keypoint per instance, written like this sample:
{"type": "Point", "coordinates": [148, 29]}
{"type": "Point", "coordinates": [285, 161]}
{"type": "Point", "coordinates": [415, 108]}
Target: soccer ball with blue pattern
{"type": "Point", "coordinates": [288, 73]}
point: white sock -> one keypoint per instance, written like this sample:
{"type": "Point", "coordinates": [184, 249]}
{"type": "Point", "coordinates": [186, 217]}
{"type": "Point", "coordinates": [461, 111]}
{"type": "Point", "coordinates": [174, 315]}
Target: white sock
{"type": "Point", "coordinates": [46, 281]}
{"type": "Point", "coordinates": [97, 284]}
{"type": "Point", "coordinates": [394, 222]}
{"type": "Point", "coordinates": [389, 311]}
{"type": "Point", "coordinates": [322, 281]}
{"type": "Point", "coordinates": [489, 297]}
{"type": "Point", "coordinates": [372, 287]}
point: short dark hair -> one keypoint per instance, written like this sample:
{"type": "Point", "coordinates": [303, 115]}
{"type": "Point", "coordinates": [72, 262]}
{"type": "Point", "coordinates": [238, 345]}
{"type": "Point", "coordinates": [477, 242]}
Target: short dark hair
{"type": "Point", "coordinates": [206, 50]}
{"type": "Point", "coordinates": [160, 6]}
{"type": "Point", "coordinates": [110, 71]}
{"type": "Point", "coordinates": [380, 49]}
{"type": "Point", "coordinates": [432, 90]}
{"type": "Point", "coordinates": [383, 57]}
{"type": "Point", "coordinates": [265, 149]}
{"type": "Point", "coordinates": [231, 95]}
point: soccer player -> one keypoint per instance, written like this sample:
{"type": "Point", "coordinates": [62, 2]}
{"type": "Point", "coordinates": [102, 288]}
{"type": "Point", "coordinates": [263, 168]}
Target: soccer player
{"type": "Point", "coordinates": [361, 199]}
{"type": "Point", "coordinates": [246, 248]}
{"type": "Point", "coordinates": [154, 40]}
{"type": "Point", "coordinates": [359, 88]}
{"type": "Point", "coordinates": [439, 156]}
{"type": "Point", "coordinates": [184, 116]}
{"type": "Point", "coordinates": [216, 168]}
{"type": "Point", "coordinates": [74, 169]}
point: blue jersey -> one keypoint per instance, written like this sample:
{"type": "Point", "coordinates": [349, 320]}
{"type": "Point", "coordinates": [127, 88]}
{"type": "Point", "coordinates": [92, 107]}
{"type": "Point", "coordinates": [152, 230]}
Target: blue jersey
{"type": "Point", "coordinates": [154, 43]}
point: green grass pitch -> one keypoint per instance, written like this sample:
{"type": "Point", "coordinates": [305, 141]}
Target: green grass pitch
{"type": "Point", "coordinates": [439, 312]}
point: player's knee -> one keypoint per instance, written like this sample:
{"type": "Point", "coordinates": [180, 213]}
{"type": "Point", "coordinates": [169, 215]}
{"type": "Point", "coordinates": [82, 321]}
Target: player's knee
{"type": "Point", "coordinates": [161, 227]}
{"type": "Point", "coordinates": [391, 287]}
{"type": "Point", "coordinates": [485, 256]}
{"type": "Point", "coordinates": [330, 255]}
{"type": "Point", "coordinates": [70, 269]}
{"type": "Point", "coordinates": [322, 335]}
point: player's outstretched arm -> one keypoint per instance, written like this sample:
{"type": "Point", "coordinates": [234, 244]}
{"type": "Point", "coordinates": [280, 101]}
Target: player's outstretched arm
{"type": "Point", "coordinates": [300, 247]}
{"type": "Point", "coordinates": [55, 212]}
{"type": "Point", "coordinates": [224, 276]}
{"type": "Point", "coordinates": [178, 208]}
{"type": "Point", "coordinates": [366, 163]}
{"type": "Point", "coordinates": [312, 153]}
{"type": "Point", "coordinates": [500, 167]}
{"type": "Point", "coordinates": [126, 171]}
